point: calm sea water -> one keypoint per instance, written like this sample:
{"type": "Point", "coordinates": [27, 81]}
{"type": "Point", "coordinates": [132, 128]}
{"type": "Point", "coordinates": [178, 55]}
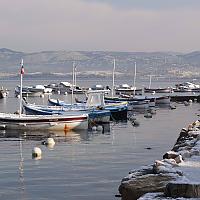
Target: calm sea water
{"type": "Point", "coordinates": [83, 165]}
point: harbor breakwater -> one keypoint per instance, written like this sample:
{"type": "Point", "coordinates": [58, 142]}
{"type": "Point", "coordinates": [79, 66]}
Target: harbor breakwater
{"type": "Point", "coordinates": [175, 176]}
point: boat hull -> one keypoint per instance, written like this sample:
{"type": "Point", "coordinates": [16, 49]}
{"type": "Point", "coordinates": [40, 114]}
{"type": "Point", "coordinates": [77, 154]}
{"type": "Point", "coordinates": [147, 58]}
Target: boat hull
{"type": "Point", "coordinates": [34, 122]}
{"type": "Point", "coordinates": [158, 90]}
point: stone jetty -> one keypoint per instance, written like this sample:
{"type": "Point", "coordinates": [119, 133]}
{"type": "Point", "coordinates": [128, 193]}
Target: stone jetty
{"type": "Point", "coordinates": [176, 176]}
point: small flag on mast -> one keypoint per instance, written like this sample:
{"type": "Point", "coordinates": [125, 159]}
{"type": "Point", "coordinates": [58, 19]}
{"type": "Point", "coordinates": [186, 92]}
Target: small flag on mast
{"type": "Point", "coordinates": [22, 67]}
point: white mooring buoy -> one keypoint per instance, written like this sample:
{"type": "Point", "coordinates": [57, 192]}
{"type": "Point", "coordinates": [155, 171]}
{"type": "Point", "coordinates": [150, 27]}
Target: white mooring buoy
{"type": "Point", "coordinates": [94, 129]}
{"type": "Point", "coordinates": [50, 142]}
{"type": "Point", "coordinates": [99, 128]}
{"type": "Point", "coordinates": [36, 152]}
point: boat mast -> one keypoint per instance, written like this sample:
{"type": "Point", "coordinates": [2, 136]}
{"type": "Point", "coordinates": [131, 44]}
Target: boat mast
{"type": "Point", "coordinates": [150, 81]}
{"type": "Point", "coordinates": [20, 101]}
{"type": "Point", "coordinates": [74, 75]}
{"type": "Point", "coordinates": [72, 96]}
{"type": "Point", "coordinates": [113, 78]}
{"type": "Point", "coordinates": [134, 79]}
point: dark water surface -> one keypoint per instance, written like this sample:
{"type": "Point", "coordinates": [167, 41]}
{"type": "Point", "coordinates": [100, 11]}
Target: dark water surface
{"type": "Point", "coordinates": [83, 165]}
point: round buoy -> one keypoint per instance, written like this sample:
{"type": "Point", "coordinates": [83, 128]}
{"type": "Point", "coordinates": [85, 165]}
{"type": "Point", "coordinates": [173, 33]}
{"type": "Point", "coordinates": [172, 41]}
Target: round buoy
{"type": "Point", "coordinates": [50, 142]}
{"type": "Point", "coordinates": [18, 96]}
{"type": "Point", "coordinates": [148, 115]}
{"type": "Point", "coordinates": [42, 95]}
{"type": "Point", "coordinates": [135, 123]}
{"type": "Point", "coordinates": [186, 103]}
{"type": "Point", "coordinates": [172, 107]}
{"type": "Point", "coordinates": [36, 152]}
{"type": "Point", "coordinates": [152, 111]}
{"type": "Point", "coordinates": [132, 118]}
{"type": "Point", "coordinates": [58, 91]}
{"type": "Point", "coordinates": [94, 128]}
{"type": "Point", "coordinates": [99, 128]}
{"type": "Point", "coordinates": [66, 93]}
{"type": "Point", "coordinates": [190, 101]}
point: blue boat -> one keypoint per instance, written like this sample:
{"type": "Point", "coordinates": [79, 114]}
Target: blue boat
{"type": "Point", "coordinates": [95, 115]}
{"type": "Point", "coordinates": [96, 100]}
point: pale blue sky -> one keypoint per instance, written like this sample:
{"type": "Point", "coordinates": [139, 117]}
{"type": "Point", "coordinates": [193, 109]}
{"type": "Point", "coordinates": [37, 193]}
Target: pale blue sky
{"type": "Point", "coordinates": [112, 25]}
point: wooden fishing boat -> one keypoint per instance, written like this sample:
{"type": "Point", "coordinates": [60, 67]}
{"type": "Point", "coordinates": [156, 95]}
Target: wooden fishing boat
{"type": "Point", "coordinates": [43, 122]}
{"type": "Point", "coordinates": [158, 90]}
{"type": "Point", "coordinates": [95, 101]}
{"type": "Point", "coordinates": [94, 115]}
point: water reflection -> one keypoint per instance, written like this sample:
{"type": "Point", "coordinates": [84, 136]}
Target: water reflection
{"type": "Point", "coordinates": [58, 136]}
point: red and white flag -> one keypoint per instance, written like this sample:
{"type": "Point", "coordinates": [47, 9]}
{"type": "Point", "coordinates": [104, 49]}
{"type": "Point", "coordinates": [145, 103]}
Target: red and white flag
{"type": "Point", "coordinates": [22, 68]}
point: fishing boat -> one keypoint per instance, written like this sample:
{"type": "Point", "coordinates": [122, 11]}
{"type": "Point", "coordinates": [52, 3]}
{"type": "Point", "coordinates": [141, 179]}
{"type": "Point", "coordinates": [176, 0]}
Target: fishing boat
{"type": "Point", "coordinates": [3, 93]}
{"type": "Point", "coordinates": [94, 115]}
{"type": "Point", "coordinates": [126, 89]}
{"type": "Point", "coordinates": [42, 122]}
{"type": "Point", "coordinates": [95, 100]}
{"type": "Point", "coordinates": [187, 87]}
{"type": "Point", "coordinates": [133, 103]}
{"type": "Point", "coordinates": [158, 90]}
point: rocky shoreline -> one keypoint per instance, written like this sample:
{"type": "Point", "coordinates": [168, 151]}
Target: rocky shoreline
{"type": "Point", "coordinates": [175, 176]}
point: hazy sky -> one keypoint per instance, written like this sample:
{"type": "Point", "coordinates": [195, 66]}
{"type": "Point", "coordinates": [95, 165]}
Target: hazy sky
{"type": "Point", "coordinates": [113, 25]}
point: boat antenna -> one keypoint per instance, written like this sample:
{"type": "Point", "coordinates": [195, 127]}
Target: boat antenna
{"type": "Point", "coordinates": [113, 78]}
{"type": "Point", "coordinates": [134, 79]}
{"type": "Point", "coordinates": [21, 77]}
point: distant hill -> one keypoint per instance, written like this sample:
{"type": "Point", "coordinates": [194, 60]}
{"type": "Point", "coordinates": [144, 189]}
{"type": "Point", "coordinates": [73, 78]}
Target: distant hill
{"type": "Point", "coordinates": [159, 63]}
{"type": "Point", "coordinates": [193, 57]}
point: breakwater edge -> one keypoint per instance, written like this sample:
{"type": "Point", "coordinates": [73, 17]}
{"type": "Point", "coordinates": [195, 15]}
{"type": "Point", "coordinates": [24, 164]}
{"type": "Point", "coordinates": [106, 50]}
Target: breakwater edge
{"type": "Point", "coordinates": [175, 176]}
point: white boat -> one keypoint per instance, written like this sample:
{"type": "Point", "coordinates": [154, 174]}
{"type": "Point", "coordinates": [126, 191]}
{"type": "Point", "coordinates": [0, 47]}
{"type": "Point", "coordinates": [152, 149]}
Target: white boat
{"type": "Point", "coordinates": [126, 89]}
{"type": "Point", "coordinates": [187, 87]}
{"type": "Point", "coordinates": [33, 91]}
{"type": "Point", "coordinates": [42, 122]}
{"type": "Point", "coordinates": [158, 90]}
{"type": "Point", "coordinates": [3, 93]}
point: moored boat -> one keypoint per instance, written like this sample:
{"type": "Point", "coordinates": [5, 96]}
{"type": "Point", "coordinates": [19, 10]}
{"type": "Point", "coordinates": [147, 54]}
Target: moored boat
{"type": "Point", "coordinates": [44, 122]}
{"type": "Point", "coordinates": [95, 101]}
{"type": "Point", "coordinates": [158, 90]}
{"type": "Point", "coordinates": [126, 89]}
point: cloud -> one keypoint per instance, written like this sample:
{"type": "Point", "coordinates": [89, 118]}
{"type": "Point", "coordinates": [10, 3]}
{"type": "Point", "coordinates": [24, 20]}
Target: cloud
{"type": "Point", "coordinates": [37, 25]}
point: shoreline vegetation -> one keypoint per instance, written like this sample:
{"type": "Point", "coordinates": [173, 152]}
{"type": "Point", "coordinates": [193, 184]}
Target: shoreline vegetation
{"type": "Point", "coordinates": [175, 176]}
